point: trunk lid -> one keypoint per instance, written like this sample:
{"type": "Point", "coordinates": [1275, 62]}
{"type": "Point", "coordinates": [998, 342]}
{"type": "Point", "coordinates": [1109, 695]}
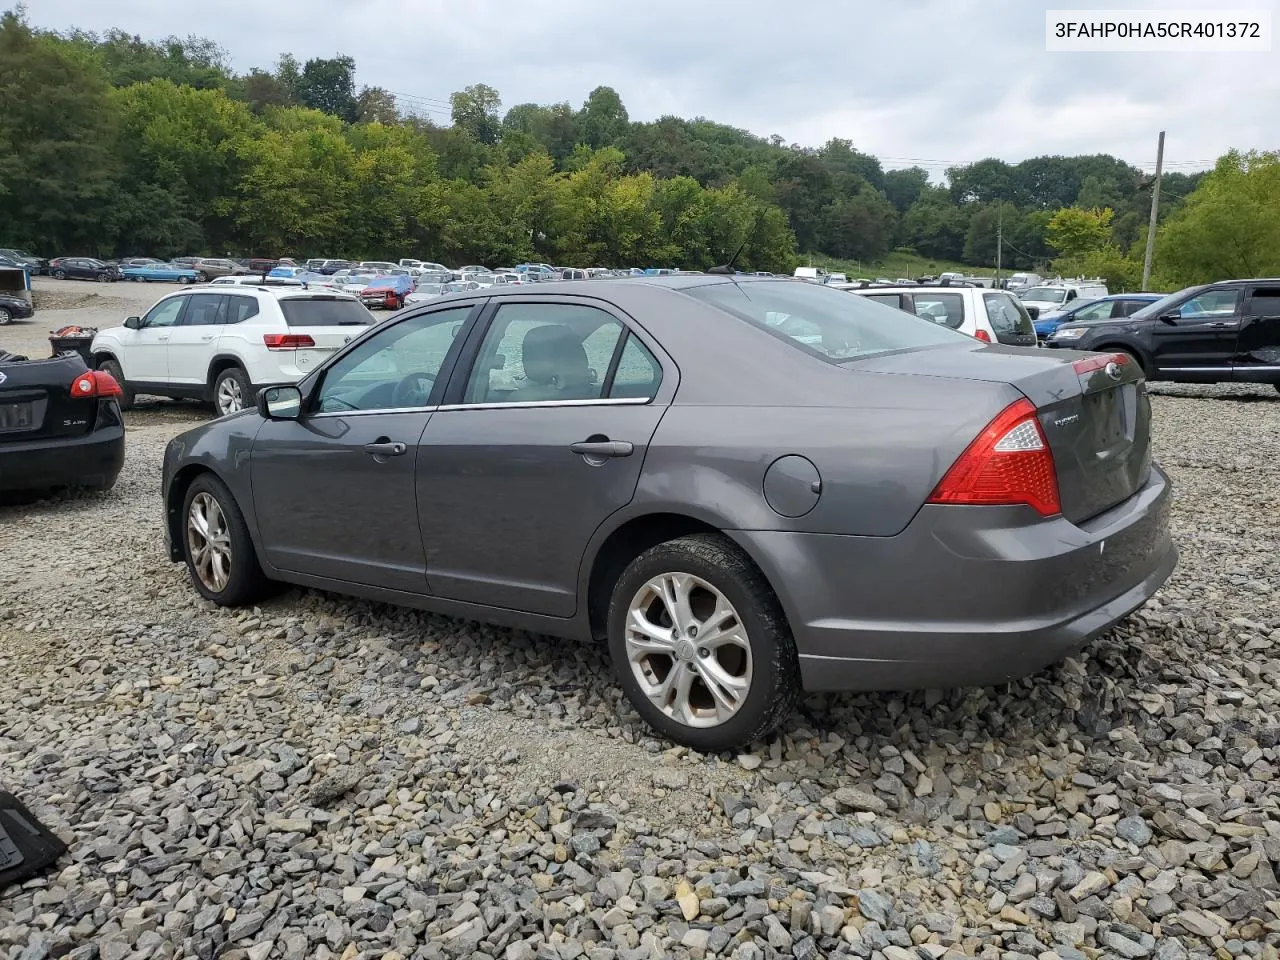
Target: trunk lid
{"type": "Point", "coordinates": [1098, 425]}
{"type": "Point", "coordinates": [36, 401]}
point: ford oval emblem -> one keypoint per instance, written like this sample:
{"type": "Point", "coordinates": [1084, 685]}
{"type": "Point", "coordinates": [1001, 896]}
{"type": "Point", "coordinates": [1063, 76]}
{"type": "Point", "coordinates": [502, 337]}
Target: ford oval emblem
{"type": "Point", "coordinates": [1113, 370]}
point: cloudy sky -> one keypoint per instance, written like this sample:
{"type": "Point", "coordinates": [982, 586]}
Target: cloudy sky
{"type": "Point", "coordinates": [934, 82]}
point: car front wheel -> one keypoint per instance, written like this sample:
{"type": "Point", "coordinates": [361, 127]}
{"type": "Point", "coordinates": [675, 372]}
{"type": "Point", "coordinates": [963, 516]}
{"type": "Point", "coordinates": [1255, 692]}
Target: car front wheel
{"type": "Point", "coordinates": [59, 274]}
{"type": "Point", "coordinates": [4, 316]}
{"type": "Point", "coordinates": [126, 393]}
{"type": "Point", "coordinates": [701, 646]}
{"type": "Point", "coordinates": [219, 552]}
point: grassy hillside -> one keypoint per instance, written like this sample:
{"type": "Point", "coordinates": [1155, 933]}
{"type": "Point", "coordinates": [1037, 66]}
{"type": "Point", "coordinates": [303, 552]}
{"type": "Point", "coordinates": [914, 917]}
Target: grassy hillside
{"type": "Point", "coordinates": [895, 265]}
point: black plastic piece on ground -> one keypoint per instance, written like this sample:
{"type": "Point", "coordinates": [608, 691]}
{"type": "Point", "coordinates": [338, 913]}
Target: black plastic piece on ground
{"type": "Point", "coordinates": [26, 845]}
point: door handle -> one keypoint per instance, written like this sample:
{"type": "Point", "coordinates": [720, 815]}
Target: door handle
{"type": "Point", "coordinates": [1222, 323]}
{"type": "Point", "coordinates": [602, 448]}
{"type": "Point", "coordinates": [206, 339]}
{"type": "Point", "coordinates": [162, 339]}
{"type": "Point", "coordinates": [385, 448]}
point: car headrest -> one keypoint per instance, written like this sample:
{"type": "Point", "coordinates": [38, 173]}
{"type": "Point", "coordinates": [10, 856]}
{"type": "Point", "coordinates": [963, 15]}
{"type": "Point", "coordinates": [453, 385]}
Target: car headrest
{"type": "Point", "coordinates": [553, 354]}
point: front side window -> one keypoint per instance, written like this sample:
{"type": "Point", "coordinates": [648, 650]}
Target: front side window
{"type": "Point", "coordinates": [543, 353]}
{"type": "Point", "coordinates": [165, 313]}
{"type": "Point", "coordinates": [394, 369]}
{"type": "Point", "coordinates": [1212, 304]}
{"type": "Point", "coordinates": [1006, 315]}
{"type": "Point", "coordinates": [822, 321]}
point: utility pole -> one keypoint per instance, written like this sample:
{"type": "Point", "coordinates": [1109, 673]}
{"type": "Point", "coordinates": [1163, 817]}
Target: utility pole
{"type": "Point", "coordinates": [1155, 208]}
{"type": "Point", "coordinates": [999, 242]}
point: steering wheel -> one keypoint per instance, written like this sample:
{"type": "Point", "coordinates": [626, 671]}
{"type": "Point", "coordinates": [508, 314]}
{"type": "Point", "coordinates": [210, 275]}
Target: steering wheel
{"type": "Point", "coordinates": [414, 390]}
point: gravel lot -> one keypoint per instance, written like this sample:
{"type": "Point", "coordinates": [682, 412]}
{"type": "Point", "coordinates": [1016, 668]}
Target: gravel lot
{"type": "Point", "coordinates": [325, 778]}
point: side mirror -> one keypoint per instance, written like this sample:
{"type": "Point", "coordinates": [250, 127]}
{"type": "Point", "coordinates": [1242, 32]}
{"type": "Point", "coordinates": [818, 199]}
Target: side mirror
{"type": "Point", "coordinates": [1033, 312]}
{"type": "Point", "coordinates": [283, 402]}
{"type": "Point", "coordinates": [134, 323]}
{"type": "Point", "coordinates": [1170, 318]}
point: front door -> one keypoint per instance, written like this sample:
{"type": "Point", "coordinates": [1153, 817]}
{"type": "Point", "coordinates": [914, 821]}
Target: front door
{"type": "Point", "coordinates": [145, 358]}
{"type": "Point", "coordinates": [334, 490]}
{"type": "Point", "coordinates": [535, 447]}
{"type": "Point", "coordinates": [1201, 339]}
{"type": "Point", "coordinates": [193, 339]}
{"type": "Point", "coordinates": [1258, 348]}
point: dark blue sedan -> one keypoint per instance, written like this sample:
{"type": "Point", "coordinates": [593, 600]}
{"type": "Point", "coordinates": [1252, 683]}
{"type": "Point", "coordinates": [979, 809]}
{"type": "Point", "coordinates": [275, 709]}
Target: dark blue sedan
{"type": "Point", "coordinates": [1104, 308]}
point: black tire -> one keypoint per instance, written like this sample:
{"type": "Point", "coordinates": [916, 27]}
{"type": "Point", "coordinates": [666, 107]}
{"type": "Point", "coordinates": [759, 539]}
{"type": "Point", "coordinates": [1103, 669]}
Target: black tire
{"type": "Point", "coordinates": [103, 278]}
{"type": "Point", "coordinates": [126, 396]}
{"type": "Point", "coordinates": [4, 316]}
{"type": "Point", "coordinates": [201, 277]}
{"type": "Point", "coordinates": [775, 673]}
{"type": "Point", "coordinates": [246, 582]}
{"type": "Point", "coordinates": [59, 274]}
{"type": "Point", "coordinates": [222, 383]}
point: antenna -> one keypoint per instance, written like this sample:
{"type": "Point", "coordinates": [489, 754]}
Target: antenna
{"type": "Point", "coordinates": [728, 267]}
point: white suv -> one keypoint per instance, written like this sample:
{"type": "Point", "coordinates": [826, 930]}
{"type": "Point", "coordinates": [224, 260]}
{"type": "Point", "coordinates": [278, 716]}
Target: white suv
{"type": "Point", "coordinates": [221, 343]}
{"type": "Point", "coordinates": [990, 315]}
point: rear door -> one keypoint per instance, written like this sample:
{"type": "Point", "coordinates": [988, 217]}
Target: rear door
{"type": "Point", "coordinates": [542, 437]}
{"type": "Point", "coordinates": [1199, 336]}
{"type": "Point", "coordinates": [193, 340]}
{"type": "Point", "coordinates": [1257, 355]}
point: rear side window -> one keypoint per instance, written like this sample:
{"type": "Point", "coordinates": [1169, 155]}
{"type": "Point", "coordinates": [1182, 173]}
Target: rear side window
{"type": "Point", "coordinates": [1265, 302]}
{"type": "Point", "coordinates": [1007, 315]}
{"type": "Point", "coordinates": [888, 299]}
{"type": "Point", "coordinates": [827, 323]}
{"type": "Point", "coordinates": [241, 308]}
{"type": "Point", "coordinates": [324, 312]}
{"type": "Point", "coordinates": [944, 309]}
{"type": "Point", "coordinates": [638, 373]}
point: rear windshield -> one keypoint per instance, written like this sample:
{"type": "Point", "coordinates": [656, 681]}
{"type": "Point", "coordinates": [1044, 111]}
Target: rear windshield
{"type": "Point", "coordinates": [1007, 315]}
{"type": "Point", "coordinates": [831, 324]}
{"type": "Point", "coordinates": [324, 312]}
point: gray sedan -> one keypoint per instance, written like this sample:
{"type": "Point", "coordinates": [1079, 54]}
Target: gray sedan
{"type": "Point", "coordinates": [746, 487]}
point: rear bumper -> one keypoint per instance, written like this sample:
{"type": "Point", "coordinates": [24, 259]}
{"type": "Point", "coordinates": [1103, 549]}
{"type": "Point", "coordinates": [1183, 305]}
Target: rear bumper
{"type": "Point", "coordinates": [965, 596]}
{"type": "Point", "coordinates": [93, 460]}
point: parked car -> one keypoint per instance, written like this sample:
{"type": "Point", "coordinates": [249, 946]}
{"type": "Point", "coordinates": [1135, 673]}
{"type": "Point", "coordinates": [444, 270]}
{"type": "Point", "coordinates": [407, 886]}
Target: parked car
{"type": "Point", "coordinates": [378, 266]}
{"type": "Point", "coordinates": [387, 292]}
{"type": "Point", "coordinates": [694, 514]}
{"type": "Point", "coordinates": [220, 344]}
{"type": "Point", "coordinates": [425, 292]}
{"type": "Point", "coordinates": [993, 316]}
{"type": "Point", "coordinates": [327, 267]}
{"type": "Point", "coordinates": [83, 268]}
{"type": "Point", "coordinates": [24, 258]}
{"type": "Point", "coordinates": [1115, 306]}
{"type": "Point", "coordinates": [255, 282]}
{"type": "Point", "coordinates": [60, 424]}
{"type": "Point", "coordinates": [14, 307]}
{"type": "Point", "coordinates": [171, 272]}
{"type": "Point", "coordinates": [1211, 333]}
{"type": "Point", "coordinates": [1056, 295]}
{"type": "Point", "coordinates": [1021, 281]}
{"type": "Point", "coordinates": [207, 268]}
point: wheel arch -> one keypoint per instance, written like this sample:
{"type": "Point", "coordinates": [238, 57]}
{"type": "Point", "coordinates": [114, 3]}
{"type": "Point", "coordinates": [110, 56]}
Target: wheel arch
{"type": "Point", "coordinates": [174, 497]}
{"type": "Point", "coordinates": [221, 362]}
{"type": "Point", "coordinates": [98, 357]}
{"type": "Point", "coordinates": [1127, 347]}
{"type": "Point", "coordinates": [632, 537]}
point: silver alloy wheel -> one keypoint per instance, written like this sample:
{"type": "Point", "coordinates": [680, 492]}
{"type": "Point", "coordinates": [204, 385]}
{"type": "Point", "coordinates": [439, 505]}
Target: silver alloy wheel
{"type": "Point", "coordinates": [688, 649]}
{"type": "Point", "coordinates": [209, 541]}
{"type": "Point", "coordinates": [4, 316]}
{"type": "Point", "coordinates": [229, 397]}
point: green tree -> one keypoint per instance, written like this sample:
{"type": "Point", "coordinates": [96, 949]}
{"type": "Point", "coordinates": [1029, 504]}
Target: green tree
{"type": "Point", "coordinates": [474, 109]}
{"type": "Point", "coordinates": [329, 86]}
{"type": "Point", "coordinates": [1074, 232]}
{"type": "Point", "coordinates": [903, 187]}
{"type": "Point", "coordinates": [603, 119]}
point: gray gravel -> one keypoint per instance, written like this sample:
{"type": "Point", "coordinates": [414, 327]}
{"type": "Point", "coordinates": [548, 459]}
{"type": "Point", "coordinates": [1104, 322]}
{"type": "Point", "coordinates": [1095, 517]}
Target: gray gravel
{"type": "Point", "coordinates": [323, 778]}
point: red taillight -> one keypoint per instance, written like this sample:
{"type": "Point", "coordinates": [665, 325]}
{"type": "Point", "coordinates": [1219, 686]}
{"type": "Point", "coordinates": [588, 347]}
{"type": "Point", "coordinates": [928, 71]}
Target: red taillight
{"type": "Point", "coordinates": [287, 341]}
{"type": "Point", "coordinates": [95, 383]}
{"type": "Point", "coordinates": [1098, 362]}
{"type": "Point", "coordinates": [1008, 463]}
{"type": "Point", "coordinates": [983, 336]}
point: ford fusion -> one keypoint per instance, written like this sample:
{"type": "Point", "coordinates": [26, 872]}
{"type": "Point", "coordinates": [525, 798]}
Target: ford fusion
{"type": "Point", "coordinates": [745, 487]}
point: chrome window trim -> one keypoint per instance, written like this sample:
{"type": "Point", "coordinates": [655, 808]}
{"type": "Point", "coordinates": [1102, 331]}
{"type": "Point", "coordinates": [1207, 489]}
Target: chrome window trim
{"type": "Point", "coordinates": [512, 405]}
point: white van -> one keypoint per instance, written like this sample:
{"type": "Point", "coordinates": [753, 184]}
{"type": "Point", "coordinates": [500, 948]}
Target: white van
{"type": "Point", "coordinates": [1061, 293]}
{"type": "Point", "coordinates": [837, 278]}
{"type": "Point", "coordinates": [1021, 281]}
{"type": "Point", "coordinates": [811, 273]}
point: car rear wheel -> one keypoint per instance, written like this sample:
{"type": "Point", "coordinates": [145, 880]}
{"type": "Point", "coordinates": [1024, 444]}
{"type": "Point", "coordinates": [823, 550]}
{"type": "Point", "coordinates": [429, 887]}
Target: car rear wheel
{"type": "Point", "coordinates": [59, 274]}
{"type": "Point", "coordinates": [700, 644]}
{"type": "Point", "coordinates": [231, 391]}
{"type": "Point", "coordinates": [4, 316]}
{"type": "Point", "coordinates": [202, 277]}
{"type": "Point", "coordinates": [126, 393]}
{"type": "Point", "coordinates": [219, 552]}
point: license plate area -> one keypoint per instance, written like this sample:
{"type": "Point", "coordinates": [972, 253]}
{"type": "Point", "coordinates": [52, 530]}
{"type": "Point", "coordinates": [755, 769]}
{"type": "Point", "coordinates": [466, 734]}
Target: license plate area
{"type": "Point", "coordinates": [1113, 414]}
{"type": "Point", "coordinates": [17, 417]}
